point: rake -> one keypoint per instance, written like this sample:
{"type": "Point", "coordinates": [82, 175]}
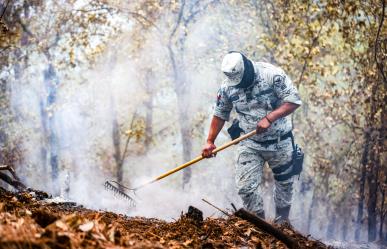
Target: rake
{"type": "Point", "coordinates": [120, 189]}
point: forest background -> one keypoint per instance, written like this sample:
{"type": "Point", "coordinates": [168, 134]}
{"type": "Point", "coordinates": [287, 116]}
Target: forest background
{"type": "Point", "coordinates": [125, 90]}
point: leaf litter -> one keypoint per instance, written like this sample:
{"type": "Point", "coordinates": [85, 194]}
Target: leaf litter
{"type": "Point", "coordinates": [26, 221]}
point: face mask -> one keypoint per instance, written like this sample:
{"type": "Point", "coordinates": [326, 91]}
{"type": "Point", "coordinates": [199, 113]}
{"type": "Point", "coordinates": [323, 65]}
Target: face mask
{"type": "Point", "coordinates": [248, 74]}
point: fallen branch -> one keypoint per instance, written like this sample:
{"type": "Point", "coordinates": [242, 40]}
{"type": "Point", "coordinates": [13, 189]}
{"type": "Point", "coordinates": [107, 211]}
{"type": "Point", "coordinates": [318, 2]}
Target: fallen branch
{"type": "Point", "coordinates": [212, 205]}
{"type": "Point", "coordinates": [264, 226]}
{"type": "Point", "coordinates": [16, 183]}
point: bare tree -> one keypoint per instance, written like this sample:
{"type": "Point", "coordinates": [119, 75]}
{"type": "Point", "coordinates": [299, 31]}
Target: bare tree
{"type": "Point", "coordinates": [187, 15]}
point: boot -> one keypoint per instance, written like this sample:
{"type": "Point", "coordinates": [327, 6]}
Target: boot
{"type": "Point", "coordinates": [260, 214]}
{"type": "Point", "coordinates": [282, 215]}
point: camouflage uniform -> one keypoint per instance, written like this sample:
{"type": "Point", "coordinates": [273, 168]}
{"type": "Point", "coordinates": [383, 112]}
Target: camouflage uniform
{"type": "Point", "coordinates": [271, 88]}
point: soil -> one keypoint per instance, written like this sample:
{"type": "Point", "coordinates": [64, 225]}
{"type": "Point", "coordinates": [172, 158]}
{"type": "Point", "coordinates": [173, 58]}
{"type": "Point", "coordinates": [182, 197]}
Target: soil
{"type": "Point", "coordinates": [27, 221]}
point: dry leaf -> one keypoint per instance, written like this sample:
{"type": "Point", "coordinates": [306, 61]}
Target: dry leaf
{"type": "Point", "coordinates": [111, 234]}
{"type": "Point", "coordinates": [248, 232]}
{"type": "Point", "coordinates": [99, 236]}
{"type": "Point", "coordinates": [60, 224]}
{"type": "Point", "coordinates": [240, 223]}
{"type": "Point", "coordinates": [255, 239]}
{"type": "Point", "coordinates": [86, 226]}
{"type": "Point", "coordinates": [188, 242]}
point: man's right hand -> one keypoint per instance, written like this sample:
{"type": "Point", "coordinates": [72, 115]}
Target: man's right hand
{"type": "Point", "coordinates": [207, 150]}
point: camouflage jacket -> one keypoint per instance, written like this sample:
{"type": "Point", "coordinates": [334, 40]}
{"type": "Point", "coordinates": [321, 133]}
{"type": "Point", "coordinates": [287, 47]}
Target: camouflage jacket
{"type": "Point", "coordinates": [271, 88]}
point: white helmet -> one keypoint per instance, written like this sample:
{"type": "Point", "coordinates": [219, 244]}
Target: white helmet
{"type": "Point", "coordinates": [233, 67]}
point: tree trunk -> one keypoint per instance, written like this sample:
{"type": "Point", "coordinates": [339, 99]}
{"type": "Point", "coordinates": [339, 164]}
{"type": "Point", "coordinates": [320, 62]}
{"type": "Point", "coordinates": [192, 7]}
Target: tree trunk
{"type": "Point", "coordinates": [382, 209]}
{"type": "Point", "coordinates": [383, 144]}
{"type": "Point", "coordinates": [186, 136]}
{"type": "Point", "coordinates": [360, 206]}
{"type": "Point", "coordinates": [149, 109]}
{"type": "Point", "coordinates": [344, 229]}
{"type": "Point", "coordinates": [118, 155]}
{"type": "Point", "coordinates": [374, 163]}
{"type": "Point", "coordinates": [181, 88]}
{"type": "Point", "coordinates": [331, 225]}
{"type": "Point", "coordinates": [346, 220]}
{"type": "Point", "coordinates": [4, 112]}
{"type": "Point", "coordinates": [176, 43]}
{"type": "Point", "coordinates": [117, 149]}
{"type": "Point", "coordinates": [51, 82]}
{"type": "Point", "coordinates": [311, 209]}
{"type": "Point", "coordinates": [372, 196]}
{"type": "Point", "coordinates": [43, 148]}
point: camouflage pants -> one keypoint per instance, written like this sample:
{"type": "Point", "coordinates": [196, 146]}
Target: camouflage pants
{"type": "Point", "coordinates": [249, 171]}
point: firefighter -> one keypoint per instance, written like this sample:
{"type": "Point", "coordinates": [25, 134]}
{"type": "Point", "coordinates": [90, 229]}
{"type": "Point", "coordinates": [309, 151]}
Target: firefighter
{"type": "Point", "coordinates": [263, 97]}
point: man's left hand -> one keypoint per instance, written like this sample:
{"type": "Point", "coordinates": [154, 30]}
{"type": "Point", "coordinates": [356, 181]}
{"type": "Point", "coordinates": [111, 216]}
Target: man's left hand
{"type": "Point", "coordinates": [262, 125]}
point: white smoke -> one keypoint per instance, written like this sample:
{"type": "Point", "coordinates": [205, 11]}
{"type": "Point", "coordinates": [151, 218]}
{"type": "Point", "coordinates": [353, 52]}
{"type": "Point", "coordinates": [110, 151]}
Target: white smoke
{"type": "Point", "coordinates": [89, 99]}
{"type": "Point", "coordinates": [87, 102]}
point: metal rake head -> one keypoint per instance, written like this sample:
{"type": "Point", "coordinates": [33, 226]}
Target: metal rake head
{"type": "Point", "coordinates": [119, 189]}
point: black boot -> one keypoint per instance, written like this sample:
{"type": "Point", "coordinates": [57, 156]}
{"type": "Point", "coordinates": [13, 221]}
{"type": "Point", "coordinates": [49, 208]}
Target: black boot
{"type": "Point", "coordinates": [282, 215]}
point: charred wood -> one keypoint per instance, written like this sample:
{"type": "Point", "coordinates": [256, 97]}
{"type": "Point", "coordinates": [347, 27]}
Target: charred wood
{"type": "Point", "coordinates": [14, 183]}
{"type": "Point", "coordinates": [264, 226]}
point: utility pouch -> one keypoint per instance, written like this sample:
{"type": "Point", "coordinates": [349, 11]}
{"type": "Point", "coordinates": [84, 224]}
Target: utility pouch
{"type": "Point", "coordinates": [234, 130]}
{"type": "Point", "coordinates": [298, 160]}
{"type": "Point", "coordinates": [297, 157]}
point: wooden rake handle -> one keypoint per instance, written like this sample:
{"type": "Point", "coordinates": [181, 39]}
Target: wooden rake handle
{"type": "Point", "coordinates": [199, 158]}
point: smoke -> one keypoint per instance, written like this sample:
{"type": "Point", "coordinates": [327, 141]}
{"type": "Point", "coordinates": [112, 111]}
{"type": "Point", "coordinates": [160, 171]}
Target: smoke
{"type": "Point", "coordinates": [90, 99]}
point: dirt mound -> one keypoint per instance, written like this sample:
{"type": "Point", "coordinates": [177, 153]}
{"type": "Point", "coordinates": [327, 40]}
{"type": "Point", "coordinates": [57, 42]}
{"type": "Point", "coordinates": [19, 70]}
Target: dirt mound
{"type": "Point", "coordinates": [27, 222]}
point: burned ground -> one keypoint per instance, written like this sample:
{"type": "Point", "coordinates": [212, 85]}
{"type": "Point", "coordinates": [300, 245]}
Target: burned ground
{"type": "Point", "coordinates": [27, 222]}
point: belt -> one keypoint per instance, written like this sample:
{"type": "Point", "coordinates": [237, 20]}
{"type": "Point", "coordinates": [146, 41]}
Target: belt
{"type": "Point", "coordinates": [274, 141]}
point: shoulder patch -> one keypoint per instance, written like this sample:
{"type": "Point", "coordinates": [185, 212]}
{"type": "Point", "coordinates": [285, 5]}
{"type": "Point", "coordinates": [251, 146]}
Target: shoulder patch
{"type": "Point", "coordinates": [279, 81]}
{"type": "Point", "coordinates": [219, 101]}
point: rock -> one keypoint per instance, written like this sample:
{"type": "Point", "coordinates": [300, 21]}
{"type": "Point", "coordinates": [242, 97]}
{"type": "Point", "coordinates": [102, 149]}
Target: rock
{"type": "Point", "coordinates": [195, 214]}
